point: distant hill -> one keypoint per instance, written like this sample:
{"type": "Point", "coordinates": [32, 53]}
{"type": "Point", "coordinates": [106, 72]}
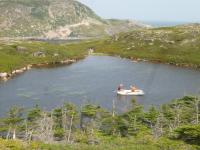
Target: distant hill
{"type": "Point", "coordinates": [56, 19]}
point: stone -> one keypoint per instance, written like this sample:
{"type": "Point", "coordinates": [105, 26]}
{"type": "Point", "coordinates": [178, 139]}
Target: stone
{"type": "Point", "coordinates": [19, 71]}
{"type": "Point", "coordinates": [3, 75]}
{"type": "Point", "coordinates": [21, 49]}
{"type": "Point", "coordinates": [39, 54]}
{"type": "Point", "coordinates": [55, 54]}
{"type": "Point", "coordinates": [28, 67]}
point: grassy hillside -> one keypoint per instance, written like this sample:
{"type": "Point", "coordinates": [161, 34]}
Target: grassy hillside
{"type": "Point", "coordinates": [178, 45]}
{"type": "Point", "coordinates": [54, 19]}
{"type": "Point", "coordinates": [35, 18]}
{"type": "Point", "coordinates": [18, 54]}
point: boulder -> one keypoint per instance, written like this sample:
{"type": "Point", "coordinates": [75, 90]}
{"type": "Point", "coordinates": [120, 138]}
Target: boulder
{"type": "Point", "coordinates": [55, 54]}
{"type": "Point", "coordinates": [39, 54]}
{"type": "Point", "coordinates": [21, 49]}
{"type": "Point", "coordinates": [3, 75]}
{"type": "Point", "coordinates": [68, 61]}
{"type": "Point", "coordinates": [19, 71]}
{"type": "Point", "coordinates": [5, 79]}
{"type": "Point", "coordinates": [23, 69]}
{"type": "Point", "coordinates": [28, 67]}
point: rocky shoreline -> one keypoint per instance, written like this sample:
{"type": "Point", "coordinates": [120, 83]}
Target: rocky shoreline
{"type": "Point", "coordinates": [183, 65]}
{"type": "Point", "coordinates": [4, 76]}
{"type": "Point", "coordinates": [136, 60]}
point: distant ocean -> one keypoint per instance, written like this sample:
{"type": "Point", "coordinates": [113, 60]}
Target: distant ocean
{"type": "Point", "coordinates": [164, 24]}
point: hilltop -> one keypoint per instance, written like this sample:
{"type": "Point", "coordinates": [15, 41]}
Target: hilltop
{"type": "Point", "coordinates": [56, 19]}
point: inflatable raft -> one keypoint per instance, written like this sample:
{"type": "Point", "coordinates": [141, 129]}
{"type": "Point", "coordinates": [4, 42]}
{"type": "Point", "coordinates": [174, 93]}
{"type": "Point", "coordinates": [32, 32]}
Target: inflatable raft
{"type": "Point", "coordinates": [129, 92]}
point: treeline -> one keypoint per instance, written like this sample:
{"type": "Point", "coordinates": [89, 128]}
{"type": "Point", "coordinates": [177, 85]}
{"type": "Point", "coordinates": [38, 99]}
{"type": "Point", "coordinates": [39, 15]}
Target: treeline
{"type": "Point", "coordinates": [178, 120]}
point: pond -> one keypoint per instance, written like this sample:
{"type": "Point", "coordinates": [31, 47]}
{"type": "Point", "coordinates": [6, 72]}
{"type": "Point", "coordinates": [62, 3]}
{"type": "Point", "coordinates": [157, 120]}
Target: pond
{"type": "Point", "coordinates": [94, 80]}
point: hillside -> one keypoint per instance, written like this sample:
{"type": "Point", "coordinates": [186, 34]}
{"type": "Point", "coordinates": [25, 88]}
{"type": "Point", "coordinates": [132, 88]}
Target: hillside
{"type": "Point", "coordinates": [16, 55]}
{"type": "Point", "coordinates": [55, 19]}
{"type": "Point", "coordinates": [173, 45]}
{"type": "Point", "coordinates": [177, 45]}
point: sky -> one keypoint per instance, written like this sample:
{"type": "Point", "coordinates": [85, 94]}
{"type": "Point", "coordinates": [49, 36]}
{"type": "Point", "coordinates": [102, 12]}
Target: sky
{"type": "Point", "coordinates": [147, 10]}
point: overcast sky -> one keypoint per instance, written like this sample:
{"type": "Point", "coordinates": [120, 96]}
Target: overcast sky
{"type": "Point", "coordinates": [147, 10]}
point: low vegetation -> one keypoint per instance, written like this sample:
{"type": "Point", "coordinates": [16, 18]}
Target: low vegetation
{"type": "Point", "coordinates": [173, 126]}
{"type": "Point", "coordinates": [174, 45]}
{"type": "Point", "coordinates": [61, 19]}
{"type": "Point", "coordinates": [18, 54]}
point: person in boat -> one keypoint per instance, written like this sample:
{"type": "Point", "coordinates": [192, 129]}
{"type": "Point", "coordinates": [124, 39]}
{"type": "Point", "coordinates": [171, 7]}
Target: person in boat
{"type": "Point", "coordinates": [133, 88]}
{"type": "Point", "coordinates": [120, 87]}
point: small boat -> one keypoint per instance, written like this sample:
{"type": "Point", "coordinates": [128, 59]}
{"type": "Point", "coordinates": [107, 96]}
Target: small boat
{"type": "Point", "coordinates": [129, 92]}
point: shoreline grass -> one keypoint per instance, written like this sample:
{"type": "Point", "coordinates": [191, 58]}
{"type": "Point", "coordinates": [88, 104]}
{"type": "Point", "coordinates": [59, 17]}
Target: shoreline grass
{"type": "Point", "coordinates": [18, 54]}
{"type": "Point", "coordinates": [178, 46]}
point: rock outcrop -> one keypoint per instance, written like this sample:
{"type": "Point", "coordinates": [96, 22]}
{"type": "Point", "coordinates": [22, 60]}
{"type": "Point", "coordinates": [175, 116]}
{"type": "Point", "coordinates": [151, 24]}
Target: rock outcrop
{"type": "Point", "coordinates": [58, 19]}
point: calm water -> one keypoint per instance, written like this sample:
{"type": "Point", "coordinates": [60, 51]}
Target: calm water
{"type": "Point", "coordinates": [94, 80]}
{"type": "Point", "coordinates": [165, 23]}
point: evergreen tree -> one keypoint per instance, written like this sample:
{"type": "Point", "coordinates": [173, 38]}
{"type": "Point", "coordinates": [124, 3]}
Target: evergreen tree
{"type": "Point", "coordinates": [14, 120]}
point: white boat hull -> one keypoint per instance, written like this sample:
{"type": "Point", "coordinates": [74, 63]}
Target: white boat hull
{"type": "Point", "coordinates": [129, 92]}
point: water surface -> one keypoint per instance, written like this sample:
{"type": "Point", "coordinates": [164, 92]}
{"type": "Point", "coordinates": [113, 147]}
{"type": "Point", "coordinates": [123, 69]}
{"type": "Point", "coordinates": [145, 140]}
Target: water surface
{"type": "Point", "coordinates": [94, 80]}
